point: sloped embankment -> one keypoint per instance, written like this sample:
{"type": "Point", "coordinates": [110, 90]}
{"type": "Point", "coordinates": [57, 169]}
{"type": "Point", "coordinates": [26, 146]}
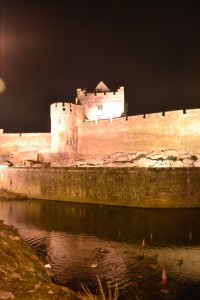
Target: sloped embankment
{"type": "Point", "coordinates": [22, 274]}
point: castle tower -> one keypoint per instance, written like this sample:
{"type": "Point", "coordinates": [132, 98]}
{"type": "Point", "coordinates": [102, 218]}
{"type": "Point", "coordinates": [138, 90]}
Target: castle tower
{"type": "Point", "coordinates": [65, 119]}
{"type": "Point", "coordinates": [101, 103]}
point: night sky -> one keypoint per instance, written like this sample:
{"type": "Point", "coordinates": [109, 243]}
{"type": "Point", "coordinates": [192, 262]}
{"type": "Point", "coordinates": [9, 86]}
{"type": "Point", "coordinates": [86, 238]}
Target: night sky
{"type": "Point", "coordinates": [51, 48]}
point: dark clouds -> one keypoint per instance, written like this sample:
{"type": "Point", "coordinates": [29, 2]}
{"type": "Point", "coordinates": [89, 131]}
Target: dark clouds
{"type": "Point", "coordinates": [50, 48]}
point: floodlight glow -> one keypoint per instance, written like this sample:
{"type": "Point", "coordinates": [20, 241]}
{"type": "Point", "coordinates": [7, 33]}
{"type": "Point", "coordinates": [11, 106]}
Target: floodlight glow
{"type": "Point", "coordinates": [2, 86]}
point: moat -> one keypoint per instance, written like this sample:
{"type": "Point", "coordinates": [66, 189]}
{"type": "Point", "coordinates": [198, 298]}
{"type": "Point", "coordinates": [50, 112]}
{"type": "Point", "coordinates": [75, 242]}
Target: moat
{"type": "Point", "coordinates": [122, 245]}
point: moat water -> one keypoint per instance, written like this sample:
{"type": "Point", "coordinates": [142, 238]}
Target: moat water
{"type": "Point", "coordinates": [126, 246]}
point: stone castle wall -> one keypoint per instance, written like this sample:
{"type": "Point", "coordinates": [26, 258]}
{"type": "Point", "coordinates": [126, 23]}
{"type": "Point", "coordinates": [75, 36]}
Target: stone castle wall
{"type": "Point", "coordinates": [134, 187]}
{"type": "Point", "coordinates": [71, 138]}
{"type": "Point", "coordinates": [178, 130]}
{"type": "Point", "coordinates": [20, 146]}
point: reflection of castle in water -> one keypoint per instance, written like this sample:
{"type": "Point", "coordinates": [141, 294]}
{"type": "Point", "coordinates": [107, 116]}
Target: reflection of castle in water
{"type": "Point", "coordinates": [121, 224]}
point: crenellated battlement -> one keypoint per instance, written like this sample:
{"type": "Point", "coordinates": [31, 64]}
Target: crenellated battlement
{"type": "Point", "coordinates": [178, 130]}
{"type": "Point", "coordinates": [84, 93]}
{"type": "Point", "coordinates": [96, 126]}
{"type": "Point", "coordinates": [63, 108]}
{"type": "Point", "coordinates": [151, 116]}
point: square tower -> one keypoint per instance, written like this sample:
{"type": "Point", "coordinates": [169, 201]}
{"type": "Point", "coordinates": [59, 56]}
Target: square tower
{"type": "Point", "coordinates": [101, 103]}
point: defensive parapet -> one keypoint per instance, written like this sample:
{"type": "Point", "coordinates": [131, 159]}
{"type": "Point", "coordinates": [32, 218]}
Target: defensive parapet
{"type": "Point", "coordinates": [101, 103]}
{"type": "Point", "coordinates": [106, 131]}
{"type": "Point", "coordinates": [65, 119]}
{"type": "Point", "coordinates": [177, 130]}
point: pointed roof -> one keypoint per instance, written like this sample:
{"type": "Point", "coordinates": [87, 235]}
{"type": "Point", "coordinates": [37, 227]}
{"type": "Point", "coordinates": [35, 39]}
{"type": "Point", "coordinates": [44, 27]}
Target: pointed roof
{"type": "Point", "coordinates": [101, 87]}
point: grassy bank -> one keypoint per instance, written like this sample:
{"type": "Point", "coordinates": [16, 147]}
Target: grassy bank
{"type": "Point", "coordinates": [22, 275]}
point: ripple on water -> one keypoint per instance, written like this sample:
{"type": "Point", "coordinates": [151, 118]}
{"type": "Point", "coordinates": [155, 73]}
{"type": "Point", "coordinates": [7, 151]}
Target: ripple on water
{"type": "Point", "coordinates": [77, 259]}
{"type": "Point", "coordinates": [79, 249]}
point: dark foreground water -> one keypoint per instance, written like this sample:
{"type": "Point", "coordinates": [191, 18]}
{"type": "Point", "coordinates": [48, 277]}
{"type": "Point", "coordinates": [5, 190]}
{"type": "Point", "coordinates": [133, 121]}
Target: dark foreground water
{"type": "Point", "coordinates": [126, 246]}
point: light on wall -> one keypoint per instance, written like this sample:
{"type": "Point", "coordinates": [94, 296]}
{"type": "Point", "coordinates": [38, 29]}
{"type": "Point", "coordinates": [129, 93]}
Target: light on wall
{"type": "Point", "coordinates": [2, 86]}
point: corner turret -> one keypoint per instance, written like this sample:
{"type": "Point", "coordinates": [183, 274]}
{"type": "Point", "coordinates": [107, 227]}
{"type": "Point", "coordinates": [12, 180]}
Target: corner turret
{"type": "Point", "coordinates": [65, 119]}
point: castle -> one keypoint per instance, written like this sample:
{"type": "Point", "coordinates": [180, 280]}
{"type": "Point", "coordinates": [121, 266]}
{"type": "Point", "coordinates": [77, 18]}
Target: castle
{"type": "Point", "coordinates": [96, 125]}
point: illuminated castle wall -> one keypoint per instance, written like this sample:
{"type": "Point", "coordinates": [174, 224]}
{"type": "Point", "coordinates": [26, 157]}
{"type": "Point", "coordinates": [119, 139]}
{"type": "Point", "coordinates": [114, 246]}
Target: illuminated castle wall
{"type": "Point", "coordinates": [102, 103]}
{"type": "Point", "coordinates": [178, 130]}
{"type": "Point", "coordinates": [65, 121]}
{"type": "Point", "coordinates": [95, 127]}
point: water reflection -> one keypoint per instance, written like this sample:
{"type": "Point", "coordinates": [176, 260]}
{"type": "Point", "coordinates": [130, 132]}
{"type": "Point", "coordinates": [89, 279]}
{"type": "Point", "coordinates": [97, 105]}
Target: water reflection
{"type": "Point", "coordinates": [123, 245]}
